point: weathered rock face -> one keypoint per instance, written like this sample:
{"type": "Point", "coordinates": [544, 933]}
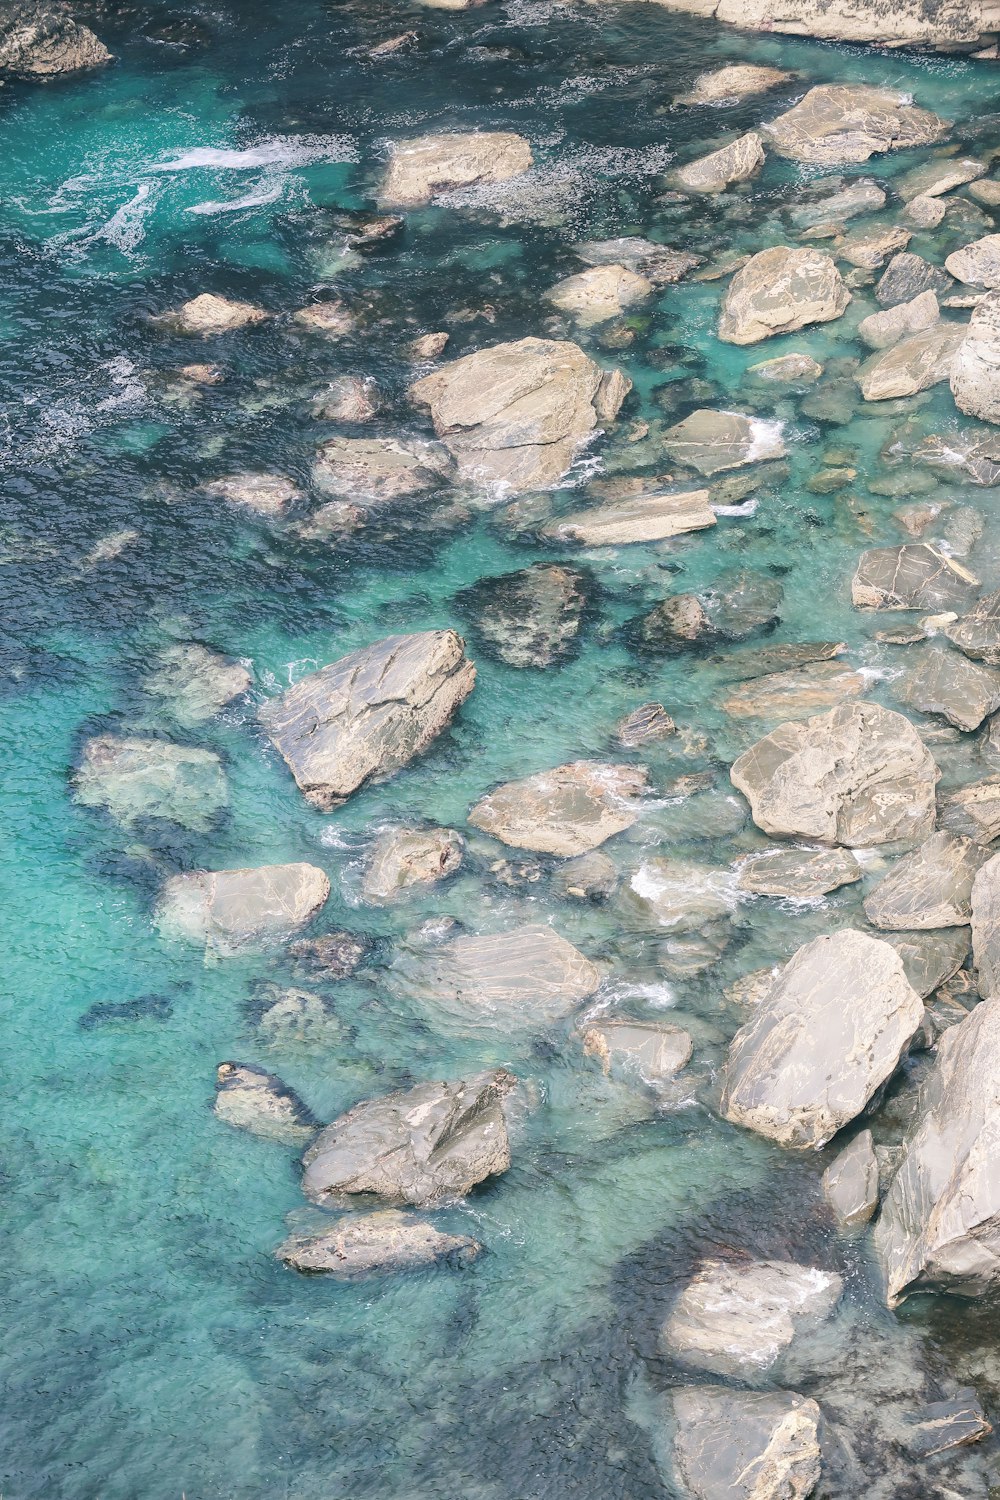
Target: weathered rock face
{"type": "Point", "coordinates": [659, 264]}
{"type": "Point", "coordinates": [914, 576]}
{"type": "Point", "coordinates": [938, 1230]}
{"type": "Point", "coordinates": [407, 857]}
{"type": "Point", "coordinates": [839, 123]}
{"type": "Point", "coordinates": [827, 1035]}
{"type": "Point", "coordinates": [259, 1102]}
{"type": "Point", "coordinates": [745, 1445]}
{"type": "Point", "coordinates": [945, 683]}
{"type": "Point", "coordinates": [735, 607]}
{"type": "Point", "coordinates": [515, 415]}
{"type": "Point", "coordinates": [531, 618]}
{"type": "Point", "coordinates": [209, 314]}
{"type": "Point", "coordinates": [741, 159]}
{"type": "Point", "coordinates": [908, 276]}
{"type": "Point", "coordinates": [421, 169]}
{"type": "Point", "coordinates": [567, 811]}
{"type": "Point", "coordinates": [645, 725]}
{"type": "Point", "coordinates": [379, 1244]}
{"type": "Point", "coordinates": [644, 1049]}
{"type": "Point", "coordinates": [232, 909]}
{"type": "Point", "coordinates": [600, 293]}
{"type": "Point", "coordinates": [869, 251]}
{"type": "Point", "coordinates": [737, 1318]}
{"type": "Point", "coordinates": [780, 290]}
{"type": "Point", "coordinates": [857, 198]}
{"type": "Point", "coordinates": [526, 976]}
{"type": "Point", "coordinates": [374, 470]}
{"type": "Point", "coordinates": [952, 26]}
{"type": "Point", "coordinates": [788, 369]}
{"type": "Point", "coordinates": [639, 518]}
{"type": "Point", "coordinates": [40, 39]}
{"type": "Point", "coordinates": [977, 264]}
{"type": "Point", "coordinates": [733, 82]}
{"type": "Point", "coordinates": [931, 958]}
{"type": "Point", "coordinates": [795, 694]}
{"type": "Point", "coordinates": [798, 874]}
{"type": "Point", "coordinates": [370, 713]}
{"type": "Point", "coordinates": [419, 1146]}
{"type": "Point", "coordinates": [913, 364]}
{"type": "Point", "coordinates": [974, 810]}
{"type": "Point", "coordinates": [859, 775]}
{"type": "Point", "coordinates": [986, 927]}
{"type": "Point", "coordinates": [348, 398]}
{"type": "Point", "coordinates": [133, 779]}
{"type": "Point", "coordinates": [975, 370]}
{"type": "Point", "coordinates": [712, 441]}
{"type": "Point", "coordinates": [851, 1182]}
{"type": "Point", "coordinates": [268, 495]}
{"type": "Point", "coordinates": [930, 888]}
{"type": "Point", "coordinates": [881, 330]}
{"type": "Point", "coordinates": [333, 318]}
{"type": "Point", "coordinates": [978, 632]}
{"type": "Point", "coordinates": [196, 682]}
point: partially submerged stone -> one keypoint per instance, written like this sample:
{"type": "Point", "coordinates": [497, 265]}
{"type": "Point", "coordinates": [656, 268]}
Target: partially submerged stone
{"type": "Point", "coordinates": [197, 683]}
{"type": "Point", "coordinates": [268, 495]}
{"type": "Point", "coordinates": [253, 1100]}
{"type": "Point", "coordinates": [795, 694]}
{"type": "Point", "coordinates": [931, 958]}
{"type": "Point", "coordinates": [912, 365]}
{"type": "Point", "coordinates": [403, 858]}
{"type": "Point", "coordinates": [525, 976]}
{"type": "Point", "coordinates": [333, 318]}
{"type": "Point", "coordinates": [660, 264]}
{"type": "Point", "coordinates": [531, 618]}
{"type": "Point", "coordinates": [383, 1243]}
{"type": "Point", "coordinates": [736, 1318]}
{"type": "Point", "coordinates": [645, 725]}
{"type": "Point", "coordinates": [734, 81]}
{"type": "Point", "coordinates": [134, 779]}
{"type": "Point", "coordinates": [858, 775]}
{"type": "Point", "coordinates": [567, 811]}
{"type": "Point", "coordinates": [975, 370]}
{"type": "Point", "coordinates": [745, 1445]}
{"type": "Point", "coordinates": [653, 1050]}
{"type": "Point", "coordinates": [938, 1230]}
{"type": "Point", "coordinates": [682, 895]}
{"type": "Point", "coordinates": [637, 518]}
{"type": "Point", "coordinates": [869, 251]}
{"type": "Point", "coordinates": [39, 39]}
{"type": "Point", "coordinates": [838, 123]}
{"type": "Point", "coordinates": [913, 576]}
{"type": "Point", "coordinates": [880, 330]}
{"type": "Point", "coordinates": [788, 369]}
{"type": "Point", "coordinates": [779, 291]}
{"type": "Point", "coordinates": [829, 1033]}
{"type": "Point", "coordinates": [740, 160]}
{"type": "Point", "coordinates": [798, 874]}
{"type": "Point", "coordinates": [940, 175]}
{"type": "Point", "coordinates": [944, 682]}
{"type": "Point", "coordinates": [977, 264]}
{"type": "Point", "coordinates": [734, 607]}
{"type": "Point", "coordinates": [370, 713]}
{"type": "Point", "coordinates": [229, 910]}
{"type": "Point", "coordinates": [329, 955]}
{"type": "Point", "coordinates": [371, 471]}
{"type": "Point", "coordinates": [599, 294]}
{"type": "Point", "coordinates": [423, 168]}
{"type": "Point", "coordinates": [348, 398]}
{"type": "Point", "coordinates": [850, 1182]}
{"type": "Point", "coordinates": [419, 1146]}
{"type": "Point", "coordinates": [940, 1425]}
{"type": "Point", "coordinates": [908, 276]}
{"type": "Point", "coordinates": [930, 888]}
{"type": "Point", "coordinates": [712, 441]}
{"type": "Point", "coordinates": [208, 314]}
{"type": "Point", "coordinates": [861, 197]}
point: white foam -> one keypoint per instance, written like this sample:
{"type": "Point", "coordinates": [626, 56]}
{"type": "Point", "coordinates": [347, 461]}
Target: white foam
{"type": "Point", "coordinates": [276, 151]}
{"type": "Point", "coordinates": [748, 508]}
{"type": "Point", "coordinates": [232, 205]}
{"type": "Point", "coordinates": [766, 440]}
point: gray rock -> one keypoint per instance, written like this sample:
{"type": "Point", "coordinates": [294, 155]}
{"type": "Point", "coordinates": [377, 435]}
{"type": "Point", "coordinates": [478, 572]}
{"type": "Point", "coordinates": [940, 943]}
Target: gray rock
{"type": "Point", "coordinates": [330, 956]}
{"type": "Point", "coordinates": [268, 495]}
{"type": "Point", "coordinates": [423, 168]}
{"type": "Point", "coordinates": [735, 607]}
{"type": "Point", "coordinates": [862, 197]}
{"type": "Point", "coordinates": [735, 81]}
{"type": "Point", "coordinates": [986, 927]}
{"type": "Point", "coordinates": [788, 369]}
{"type": "Point", "coordinates": [229, 910]}
{"type": "Point", "coordinates": [653, 1051]}
{"type": "Point", "coordinates": [253, 1100]}
{"type": "Point", "coordinates": [931, 958]}
{"type": "Point", "coordinates": [379, 1244]}
{"type": "Point", "coordinates": [134, 779]}
{"type": "Point", "coordinates": [712, 441]}
{"type": "Point", "coordinates": [531, 618]}
{"type": "Point", "coordinates": [636, 518]}
{"type": "Point", "coordinates": [332, 318]}
{"type": "Point", "coordinates": [795, 694]}
{"type": "Point", "coordinates": [938, 176]}
{"type": "Point", "coordinates": [974, 810]}
{"type": "Point", "coordinates": [524, 976]}
{"type": "Point", "coordinates": [839, 123]}
{"type": "Point", "coordinates": [930, 888]}
{"type": "Point", "coordinates": [196, 683]}
{"type": "Point", "coordinates": [208, 314]}
{"type": "Point", "coordinates": [745, 1445]}
{"type": "Point", "coordinates": [740, 160]}
{"type": "Point", "coordinates": [599, 294]}
{"type": "Point", "coordinates": [858, 775]}
{"type": "Point", "coordinates": [952, 25]}
{"type": "Point", "coordinates": [940, 1425]}
{"type": "Point", "coordinates": [977, 264]}
{"type": "Point", "coordinates": [406, 857]}
{"type": "Point", "coordinates": [370, 713]}
{"type": "Point", "coordinates": [912, 365]}
{"type": "Point", "coordinates": [869, 251]}
{"type": "Point", "coordinates": [851, 1182]}
{"type": "Point", "coordinates": [824, 1039]}
{"type": "Point", "coordinates": [566, 811]}
{"type": "Point", "coordinates": [515, 415]}
{"type": "Point", "coordinates": [908, 276]}
{"type": "Point", "coordinates": [418, 1146]}
{"type": "Point", "coordinates": [39, 39]}
{"type": "Point", "coordinates": [946, 683]}
{"type": "Point", "coordinates": [765, 661]}
{"type": "Point", "coordinates": [975, 371]}
{"type": "Point", "coordinates": [736, 1318]}
{"type": "Point", "coordinates": [925, 212]}
{"type": "Point", "coordinates": [658, 263]}
{"type": "Point", "coordinates": [798, 874]}
{"type": "Point", "coordinates": [348, 398]}
{"type": "Point", "coordinates": [779, 291]}
{"type": "Point", "coordinates": [644, 725]}
{"type": "Point", "coordinates": [914, 576]}
{"type": "Point", "coordinates": [588, 877]}
{"type": "Point", "coordinates": [681, 894]}
{"type": "Point", "coordinates": [297, 1018]}
{"type": "Point", "coordinates": [372, 471]}
{"type": "Point", "coordinates": [938, 1230]}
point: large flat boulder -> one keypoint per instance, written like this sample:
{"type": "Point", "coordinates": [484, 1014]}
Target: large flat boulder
{"type": "Point", "coordinates": [798, 874]}
{"type": "Point", "coordinates": [638, 518]}
{"type": "Point", "coordinates": [39, 39]}
{"type": "Point", "coordinates": [229, 910]}
{"type": "Point", "coordinates": [713, 441]}
{"type": "Point", "coordinates": [912, 365]}
{"type": "Point", "coordinates": [370, 713]}
{"type": "Point", "coordinates": [858, 775]}
{"type": "Point", "coordinates": [370, 471]}
{"type": "Point", "coordinates": [930, 888]}
{"type": "Point", "coordinates": [838, 123]}
{"type": "Point", "coordinates": [599, 294]}
{"type": "Point", "coordinates": [975, 370]}
{"type": "Point", "coordinates": [421, 169]}
{"type": "Point", "coordinates": [827, 1035]}
{"type": "Point", "coordinates": [134, 779]}
{"type": "Point", "coordinates": [740, 160]}
{"type": "Point", "coordinates": [418, 1146]}
{"type": "Point", "coordinates": [525, 976]}
{"type": "Point", "coordinates": [950, 26]}
{"type": "Point", "coordinates": [779, 291]}
{"type": "Point", "coordinates": [567, 811]}
{"type": "Point", "coordinates": [514, 416]}
{"type": "Point", "coordinates": [531, 618]}
{"type": "Point", "coordinates": [939, 1229]}
{"type": "Point", "coordinates": [744, 1445]}
{"type": "Point", "coordinates": [383, 1243]}
{"type": "Point", "coordinates": [913, 576]}
{"type": "Point", "coordinates": [944, 682]}
{"type": "Point", "coordinates": [795, 694]}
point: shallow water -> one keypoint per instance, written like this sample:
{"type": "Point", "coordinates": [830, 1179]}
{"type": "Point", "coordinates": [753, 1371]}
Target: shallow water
{"type": "Point", "coordinates": [154, 1346]}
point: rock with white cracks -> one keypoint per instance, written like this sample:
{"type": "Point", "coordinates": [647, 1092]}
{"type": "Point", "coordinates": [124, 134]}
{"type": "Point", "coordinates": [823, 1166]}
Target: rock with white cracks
{"type": "Point", "coordinates": [798, 874]}
{"type": "Point", "coordinates": [912, 364]}
{"type": "Point", "coordinates": [986, 927]}
{"type": "Point", "coordinates": [977, 264]}
{"type": "Point", "coordinates": [652, 517]}
{"type": "Point", "coordinates": [427, 166]}
{"type": "Point", "coordinates": [779, 291]}
{"type": "Point", "coordinates": [135, 779]}
{"type": "Point", "coordinates": [913, 576]}
{"type": "Point", "coordinates": [945, 682]}
{"type": "Point", "coordinates": [566, 811]}
{"type": "Point", "coordinates": [740, 160]}
{"type": "Point", "coordinates": [977, 633]}
{"type": "Point", "coordinates": [231, 910]}
{"type": "Point", "coordinates": [744, 1445]}
{"type": "Point", "coordinates": [652, 1051]}
{"type": "Point", "coordinates": [930, 888]}
{"type": "Point", "coordinates": [405, 858]}
{"type": "Point", "coordinates": [256, 1101]}
{"type": "Point", "coordinates": [383, 1243]}
{"type": "Point", "coordinates": [599, 294]}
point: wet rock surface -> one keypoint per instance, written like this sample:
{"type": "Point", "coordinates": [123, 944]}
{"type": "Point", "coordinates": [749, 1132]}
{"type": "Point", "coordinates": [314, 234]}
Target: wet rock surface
{"type": "Point", "coordinates": [380, 1244]}
{"type": "Point", "coordinates": [531, 618]}
{"type": "Point", "coordinates": [253, 1100]}
{"type": "Point", "coordinates": [232, 909]}
{"type": "Point", "coordinates": [525, 976]}
{"type": "Point", "coordinates": [780, 291]}
{"type": "Point", "coordinates": [427, 166]}
{"type": "Point", "coordinates": [403, 858]}
{"type": "Point", "coordinates": [930, 888]}
{"type": "Point", "coordinates": [567, 811]}
{"type": "Point", "coordinates": [134, 779]}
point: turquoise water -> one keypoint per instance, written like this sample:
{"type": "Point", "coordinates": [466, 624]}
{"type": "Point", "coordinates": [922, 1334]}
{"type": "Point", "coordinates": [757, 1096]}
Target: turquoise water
{"type": "Point", "coordinates": [154, 1346]}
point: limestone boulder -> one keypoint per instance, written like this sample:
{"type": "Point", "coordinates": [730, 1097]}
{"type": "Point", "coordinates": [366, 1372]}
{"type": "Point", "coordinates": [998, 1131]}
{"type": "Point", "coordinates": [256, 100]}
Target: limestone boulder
{"type": "Point", "coordinates": [930, 888]}
{"type": "Point", "coordinates": [950, 26]}
{"type": "Point", "coordinates": [421, 169]}
{"type": "Point", "coordinates": [371, 471]}
{"type": "Point", "coordinates": [798, 874]}
{"type": "Point", "coordinates": [230, 910]}
{"type": "Point", "coordinates": [851, 1182]}
{"type": "Point", "coordinates": [944, 682]}
{"type": "Point", "coordinates": [526, 976]}
{"type": "Point", "coordinates": [914, 576]}
{"type": "Point", "coordinates": [869, 251]}
{"type": "Point", "coordinates": [404, 858]}
{"type": "Point", "coordinates": [939, 1229]}
{"type": "Point", "coordinates": [977, 264]}
{"type": "Point", "coordinates": [859, 775]}
{"type": "Point", "coordinates": [880, 330]}
{"type": "Point", "coordinates": [135, 779]}
{"type": "Point", "coordinates": [208, 314]}
{"type": "Point", "coordinates": [795, 694]}
{"type": "Point", "coordinates": [744, 1445]}
{"type": "Point", "coordinates": [779, 291]}
{"type": "Point", "coordinates": [419, 1146]}
{"type": "Point", "coordinates": [383, 1243]}
{"type": "Point", "coordinates": [599, 294]}
{"type": "Point", "coordinates": [713, 441]}
{"type": "Point", "coordinates": [370, 713]}
{"type": "Point", "coordinates": [908, 276]}
{"type": "Point", "coordinates": [531, 618]}
{"type": "Point", "coordinates": [740, 160]}
{"type": "Point", "coordinates": [975, 371]}
{"type": "Point", "coordinates": [514, 416]}
{"type": "Point", "coordinates": [650, 1050]}
{"type": "Point", "coordinates": [977, 633]}
{"type": "Point", "coordinates": [986, 927]}
{"type": "Point", "coordinates": [195, 682]}
{"type": "Point", "coordinates": [735, 81]}
{"type": "Point", "coordinates": [837, 123]}
{"type": "Point", "coordinates": [567, 811]}
{"type": "Point", "coordinates": [39, 39]}
{"type": "Point", "coordinates": [253, 1100]}
{"type": "Point", "coordinates": [652, 517]}
{"type": "Point", "coordinates": [912, 365]}
{"type": "Point", "coordinates": [828, 1034]}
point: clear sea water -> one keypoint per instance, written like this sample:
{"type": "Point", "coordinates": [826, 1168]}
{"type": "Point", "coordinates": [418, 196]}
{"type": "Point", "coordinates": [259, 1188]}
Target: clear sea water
{"type": "Point", "coordinates": [153, 1345]}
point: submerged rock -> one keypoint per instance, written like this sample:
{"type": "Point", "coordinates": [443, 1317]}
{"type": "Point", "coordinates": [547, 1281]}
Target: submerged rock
{"type": "Point", "coordinates": [39, 39]}
{"type": "Point", "coordinates": [208, 314]}
{"type": "Point", "coordinates": [681, 894]}
{"type": "Point", "coordinates": [913, 364]}
{"type": "Point", "coordinates": [531, 618]}
{"type": "Point", "coordinates": [735, 81]}
{"type": "Point", "coordinates": [735, 607]}
{"type": "Point", "coordinates": [636, 518]}
{"type": "Point", "coordinates": [790, 369]}
{"type": "Point", "coordinates": [914, 576]}
{"type": "Point", "coordinates": [423, 168]}
{"type": "Point", "coordinates": [527, 975]}
{"type": "Point", "coordinates": [975, 371]}
{"type": "Point", "coordinates": [376, 470]}
{"type": "Point", "coordinates": [795, 694]}
{"type": "Point", "coordinates": [779, 291]}
{"type": "Point", "coordinates": [348, 398]}
{"type": "Point", "coordinates": [828, 1034]}
{"type": "Point", "coordinates": [379, 1244]}
{"type": "Point", "coordinates": [940, 1425]}
{"type": "Point", "coordinates": [370, 713]}
{"type": "Point", "coordinates": [932, 887]}
{"type": "Point", "coordinates": [657, 263]}
{"type": "Point", "coordinates": [869, 251]}
{"type": "Point", "coordinates": [515, 415]}
{"type": "Point", "coordinates": [654, 1051]}
{"type": "Point", "coordinates": [228, 910]}
{"type": "Point", "coordinates": [567, 811]}
{"type": "Point", "coordinates": [133, 779]}
{"type": "Point", "coordinates": [712, 441]}
{"type": "Point", "coordinates": [946, 683]}
{"type": "Point", "coordinates": [838, 123]}
{"type": "Point", "coordinates": [938, 1230]}
{"type": "Point", "coordinates": [850, 1183]}
{"type": "Point", "coordinates": [798, 874]}
{"type": "Point", "coordinates": [407, 857]}
{"type": "Point", "coordinates": [859, 775]}
{"type": "Point", "coordinates": [196, 682]}
{"type": "Point", "coordinates": [740, 160]}
{"type": "Point", "coordinates": [268, 495]}
{"type": "Point", "coordinates": [745, 1445]}
{"type": "Point", "coordinates": [861, 197]}
{"type": "Point", "coordinates": [331, 955]}
{"type": "Point", "coordinates": [736, 1318]}
{"type": "Point", "coordinates": [418, 1146]}
{"type": "Point", "coordinates": [256, 1101]}
{"type": "Point", "coordinates": [599, 294]}
{"type": "Point", "coordinates": [333, 318]}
